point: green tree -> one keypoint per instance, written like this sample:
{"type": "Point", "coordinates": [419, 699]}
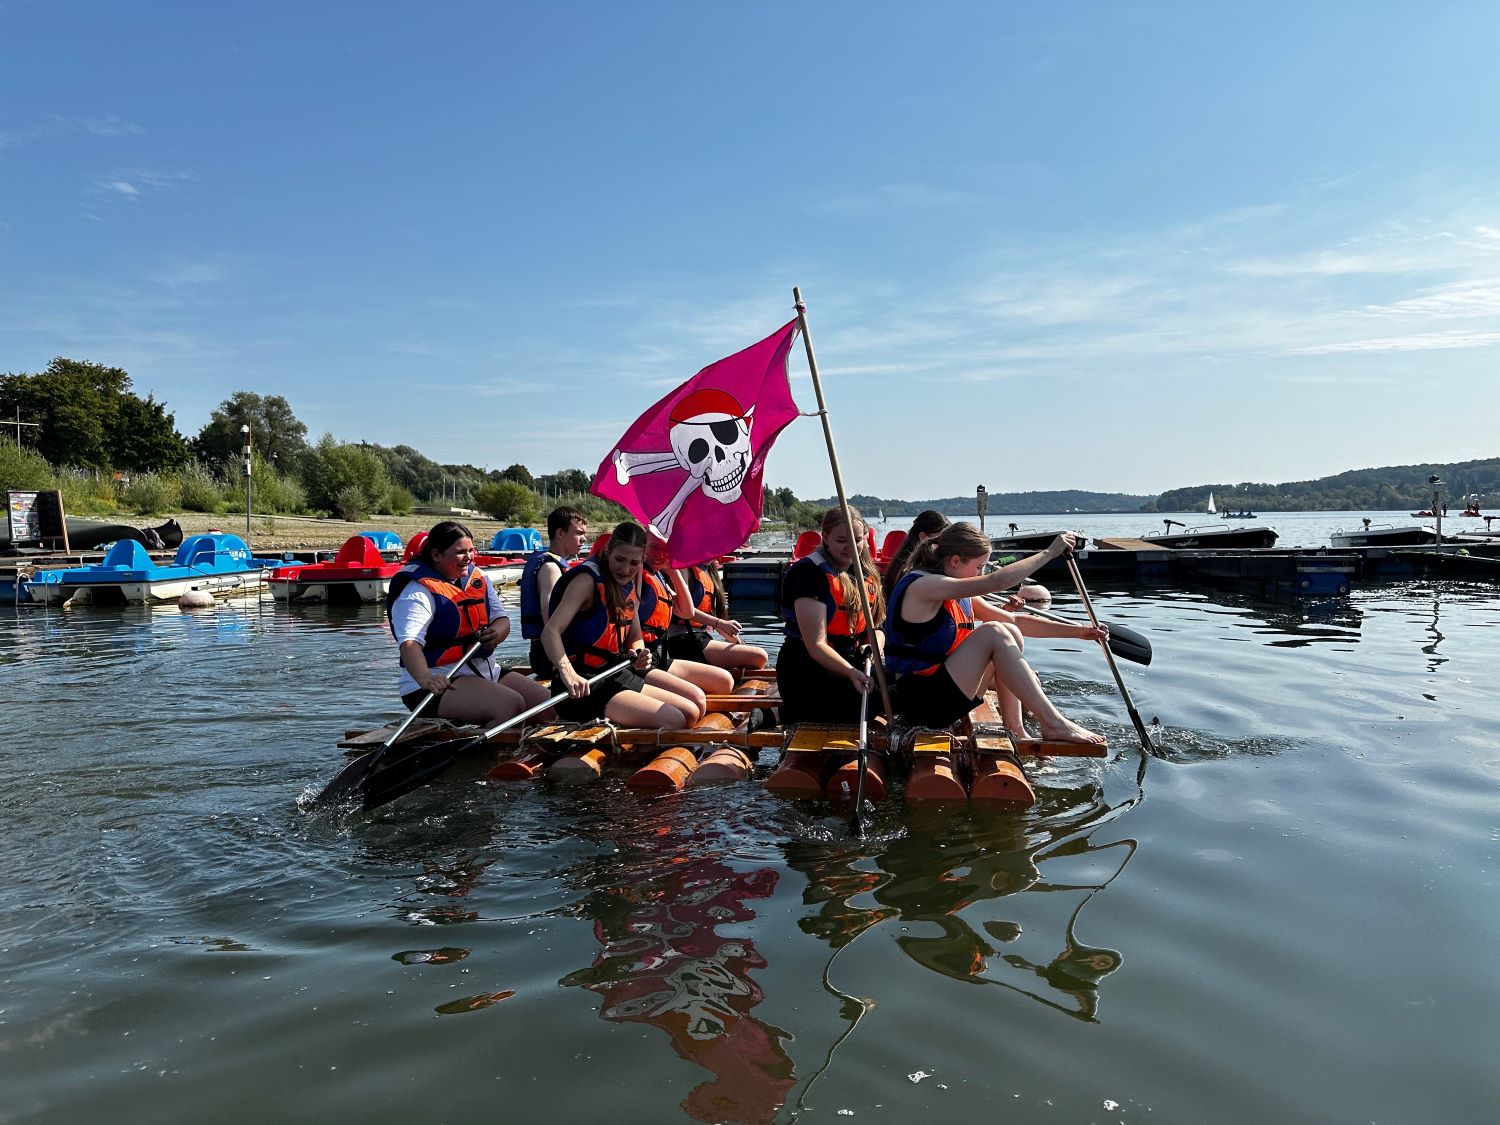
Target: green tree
{"type": "Point", "coordinates": [143, 436]}
{"type": "Point", "coordinates": [275, 431]}
{"type": "Point", "coordinates": [572, 480]}
{"type": "Point", "coordinates": [75, 403]}
{"type": "Point", "coordinates": [89, 416]}
{"type": "Point", "coordinates": [518, 473]}
{"type": "Point", "coordinates": [344, 478]}
{"type": "Point", "coordinates": [507, 501]}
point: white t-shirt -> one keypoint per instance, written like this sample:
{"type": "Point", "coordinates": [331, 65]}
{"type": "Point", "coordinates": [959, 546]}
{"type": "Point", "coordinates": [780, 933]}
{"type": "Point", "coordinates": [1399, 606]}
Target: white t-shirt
{"type": "Point", "coordinates": [412, 613]}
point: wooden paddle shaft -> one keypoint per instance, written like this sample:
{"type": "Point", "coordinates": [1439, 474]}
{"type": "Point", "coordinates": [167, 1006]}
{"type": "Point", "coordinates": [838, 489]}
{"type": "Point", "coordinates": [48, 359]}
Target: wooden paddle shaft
{"type": "Point", "coordinates": [1135, 718]}
{"type": "Point", "coordinates": [838, 484]}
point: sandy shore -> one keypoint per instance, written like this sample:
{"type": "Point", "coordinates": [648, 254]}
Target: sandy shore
{"type": "Point", "coordinates": [281, 533]}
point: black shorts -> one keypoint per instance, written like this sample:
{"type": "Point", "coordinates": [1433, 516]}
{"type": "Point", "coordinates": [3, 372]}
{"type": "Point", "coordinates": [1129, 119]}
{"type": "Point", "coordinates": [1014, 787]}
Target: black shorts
{"type": "Point", "coordinates": [690, 644]}
{"type": "Point", "coordinates": [541, 663]}
{"type": "Point", "coordinates": [811, 693]}
{"type": "Point", "coordinates": [661, 655]}
{"type": "Point", "coordinates": [931, 701]}
{"type": "Point", "coordinates": [592, 705]}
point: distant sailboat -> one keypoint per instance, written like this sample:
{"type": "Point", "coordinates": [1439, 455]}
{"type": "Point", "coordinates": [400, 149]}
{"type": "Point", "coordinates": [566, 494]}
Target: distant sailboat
{"type": "Point", "coordinates": [1211, 508]}
{"type": "Point", "coordinates": [881, 517]}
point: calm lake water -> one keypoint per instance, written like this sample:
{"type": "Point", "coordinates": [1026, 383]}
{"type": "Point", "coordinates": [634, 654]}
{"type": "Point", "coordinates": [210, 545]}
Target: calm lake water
{"type": "Point", "coordinates": [1291, 919]}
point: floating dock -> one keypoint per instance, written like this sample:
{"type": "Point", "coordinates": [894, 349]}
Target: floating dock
{"type": "Point", "coordinates": [1311, 571]}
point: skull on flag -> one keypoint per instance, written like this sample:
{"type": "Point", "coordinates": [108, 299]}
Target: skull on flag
{"type": "Point", "coordinates": [710, 438]}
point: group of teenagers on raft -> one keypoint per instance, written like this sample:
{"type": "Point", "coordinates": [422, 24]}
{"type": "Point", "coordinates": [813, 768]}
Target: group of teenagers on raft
{"type": "Point", "coordinates": [945, 632]}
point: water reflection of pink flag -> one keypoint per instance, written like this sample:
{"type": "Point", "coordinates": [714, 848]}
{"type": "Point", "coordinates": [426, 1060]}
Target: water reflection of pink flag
{"type": "Point", "coordinates": [691, 467]}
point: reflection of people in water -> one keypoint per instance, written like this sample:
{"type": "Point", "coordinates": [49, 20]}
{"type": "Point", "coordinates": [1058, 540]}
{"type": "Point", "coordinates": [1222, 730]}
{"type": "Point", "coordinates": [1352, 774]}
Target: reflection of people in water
{"type": "Point", "coordinates": [663, 963]}
{"type": "Point", "coordinates": [986, 858]}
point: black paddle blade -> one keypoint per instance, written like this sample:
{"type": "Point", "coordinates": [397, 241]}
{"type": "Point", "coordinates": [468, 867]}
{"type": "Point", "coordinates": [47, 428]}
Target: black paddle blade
{"type": "Point", "coordinates": [347, 783]}
{"type": "Point", "coordinates": [387, 772]}
{"type": "Point", "coordinates": [1127, 644]}
{"type": "Point", "coordinates": [410, 767]}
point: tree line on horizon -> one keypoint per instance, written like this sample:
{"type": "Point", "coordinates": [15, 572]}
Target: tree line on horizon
{"type": "Point", "coordinates": [107, 448]}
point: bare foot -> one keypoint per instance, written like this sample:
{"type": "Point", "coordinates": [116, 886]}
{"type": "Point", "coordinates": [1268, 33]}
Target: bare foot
{"type": "Point", "coordinates": [1069, 731]}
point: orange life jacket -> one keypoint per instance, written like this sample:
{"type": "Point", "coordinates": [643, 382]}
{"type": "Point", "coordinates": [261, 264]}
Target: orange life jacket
{"type": "Point", "coordinates": [597, 638]}
{"type": "Point", "coordinates": [700, 586]}
{"type": "Point", "coordinates": [656, 606]}
{"type": "Point", "coordinates": [845, 622]}
{"type": "Point", "coordinates": [462, 610]}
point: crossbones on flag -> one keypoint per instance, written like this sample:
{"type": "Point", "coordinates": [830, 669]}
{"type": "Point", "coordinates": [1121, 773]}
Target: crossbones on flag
{"type": "Point", "coordinates": [691, 468]}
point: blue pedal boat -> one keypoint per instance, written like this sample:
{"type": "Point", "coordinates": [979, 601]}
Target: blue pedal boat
{"type": "Point", "coordinates": [516, 541]}
{"type": "Point", "coordinates": [220, 564]}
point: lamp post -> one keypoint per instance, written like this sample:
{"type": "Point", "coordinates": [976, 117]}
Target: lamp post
{"type": "Point", "coordinates": [981, 504]}
{"type": "Point", "coordinates": [245, 433]}
{"type": "Point", "coordinates": [1436, 484]}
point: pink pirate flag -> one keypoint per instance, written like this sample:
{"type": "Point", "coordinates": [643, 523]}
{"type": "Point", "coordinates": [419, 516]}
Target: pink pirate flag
{"type": "Point", "coordinates": [691, 467]}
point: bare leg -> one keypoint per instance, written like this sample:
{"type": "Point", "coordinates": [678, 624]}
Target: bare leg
{"type": "Point", "coordinates": [675, 690]}
{"type": "Point", "coordinates": [712, 680]}
{"type": "Point", "coordinates": [531, 692]}
{"type": "Point", "coordinates": [994, 646]}
{"type": "Point", "coordinates": [472, 699]}
{"type": "Point", "coordinates": [1012, 715]}
{"type": "Point", "coordinates": [725, 655]}
{"type": "Point", "coordinates": [638, 709]}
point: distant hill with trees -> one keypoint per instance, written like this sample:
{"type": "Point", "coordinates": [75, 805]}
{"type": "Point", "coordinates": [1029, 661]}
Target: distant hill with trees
{"type": "Point", "coordinates": [1003, 503]}
{"type": "Point", "coordinates": [1358, 490]}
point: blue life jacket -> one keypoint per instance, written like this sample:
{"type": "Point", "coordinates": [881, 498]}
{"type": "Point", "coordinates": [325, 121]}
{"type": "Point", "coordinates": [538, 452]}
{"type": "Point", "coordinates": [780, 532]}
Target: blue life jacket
{"type": "Point", "coordinates": [531, 596]}
{"type": "Point", "coordinates": [593, 637]}
{"type": "Point", "coordinates": [920, 649]}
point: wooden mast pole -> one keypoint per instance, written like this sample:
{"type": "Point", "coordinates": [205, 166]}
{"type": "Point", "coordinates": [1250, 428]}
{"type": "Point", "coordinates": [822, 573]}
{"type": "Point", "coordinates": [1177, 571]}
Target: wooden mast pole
{"type": "Point", "coordinates": [838, 484]}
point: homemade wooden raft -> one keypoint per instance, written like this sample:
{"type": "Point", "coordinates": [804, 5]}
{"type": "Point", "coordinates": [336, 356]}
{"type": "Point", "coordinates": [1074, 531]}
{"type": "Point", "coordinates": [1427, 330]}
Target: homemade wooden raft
{"type": "Point", "coordinates": [974, 761]}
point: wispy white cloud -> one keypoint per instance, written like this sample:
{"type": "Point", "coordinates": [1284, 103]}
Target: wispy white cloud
{"type": "Point", "coordinates": [1460, 299]}
{"type": "Point", "coordinates": [58, 127]}
{"type": "Point", "coordinates": [1336, 379]}
{"type": "Point", "coordinates": [131, 183]}
{"type": "Point", "coordinates": [1420, 342]}
{"type": "Point", "coordinates": [185, 273]}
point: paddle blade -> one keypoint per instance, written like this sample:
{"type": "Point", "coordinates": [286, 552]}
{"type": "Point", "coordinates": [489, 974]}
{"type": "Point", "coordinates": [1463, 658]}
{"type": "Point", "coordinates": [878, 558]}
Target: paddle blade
{"type": "Point", "coordinates": [387, 772]}
{"type": "Point", "coordinates": [347, 784]}
{"type": "Point", "coordinates": [410, 767]}
{"type": "Point", "coordinates": [1127, 644]}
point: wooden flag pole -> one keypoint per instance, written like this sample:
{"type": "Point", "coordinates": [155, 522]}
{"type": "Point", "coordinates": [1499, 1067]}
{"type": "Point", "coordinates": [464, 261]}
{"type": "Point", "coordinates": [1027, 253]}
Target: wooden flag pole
{"type": "Point", "coordinates": [838, 484]}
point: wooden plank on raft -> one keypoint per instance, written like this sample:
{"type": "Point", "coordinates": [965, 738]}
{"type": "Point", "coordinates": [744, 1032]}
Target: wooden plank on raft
{"type": "Point", "coordinates": [993, 743]}
{"type": "Point", "coordinates": [739, 704]}
{"type": "Point", "coordinates": [817, 736]}
{"type": "Point", "coordinates": [420, 728]}
{"type": "Point", "coordinates": [931, 742]}
{"type": "Point", "coordinates": [1055, 749]}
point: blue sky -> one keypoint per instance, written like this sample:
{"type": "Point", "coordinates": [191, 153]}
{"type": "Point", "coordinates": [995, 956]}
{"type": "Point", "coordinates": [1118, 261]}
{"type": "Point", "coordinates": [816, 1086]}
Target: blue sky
{"type": "Point", "coordinates": [1121, 246]}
